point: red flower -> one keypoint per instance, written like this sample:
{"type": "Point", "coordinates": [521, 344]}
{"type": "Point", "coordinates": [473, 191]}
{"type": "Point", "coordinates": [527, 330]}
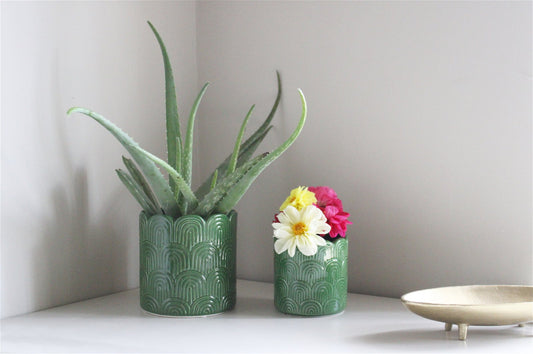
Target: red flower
{"type": "Point", "coordinates": [331, 206]}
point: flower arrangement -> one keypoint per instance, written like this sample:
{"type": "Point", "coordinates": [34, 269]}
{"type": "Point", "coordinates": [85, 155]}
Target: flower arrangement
{"type": "Point", "coordinates": [174, 197]}
{"type": "Point", "coordinates": [307, 219]}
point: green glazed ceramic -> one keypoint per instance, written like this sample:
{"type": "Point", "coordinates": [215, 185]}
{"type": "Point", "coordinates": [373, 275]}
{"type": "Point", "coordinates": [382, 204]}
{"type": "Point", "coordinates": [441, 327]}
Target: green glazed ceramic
{"type": "Point", "coordinates": [312, 285]}
{"type": "Point", "coordinates": [187, 265]}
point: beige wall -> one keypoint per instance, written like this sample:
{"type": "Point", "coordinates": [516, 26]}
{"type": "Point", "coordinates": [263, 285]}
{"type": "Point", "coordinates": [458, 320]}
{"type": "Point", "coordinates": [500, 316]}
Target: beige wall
{"type": "Point", "coordinates": [419, 116]}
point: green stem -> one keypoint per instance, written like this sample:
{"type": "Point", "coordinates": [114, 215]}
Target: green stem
{"type": "Point", "coordinates": [235, 155]}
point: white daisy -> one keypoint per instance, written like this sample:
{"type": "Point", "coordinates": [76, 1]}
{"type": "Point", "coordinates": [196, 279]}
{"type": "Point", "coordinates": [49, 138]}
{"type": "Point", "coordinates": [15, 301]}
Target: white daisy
{"type": "Point", "coordinates": [300, 229]}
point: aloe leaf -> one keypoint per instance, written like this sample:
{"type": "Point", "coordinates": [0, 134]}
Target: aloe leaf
{"type": "Point", "coordinates": [178, 168]}
{"type": "Point", "coordinates": [137, 192]}
{"type": "Point", "coordinates": [209, 202]}
{"type": "Point", "coordinates": [233, 161]}
{"type": "Point", "coordinates": [250, 145]}
{"type": "Point", "coordinates": [268, 119]}
{"type": "Point", "coordinates": [141, 181]}
{"type": "Point", "coordinates": [257, 137]}
{"type": "Point", "coordinates": [246, 153]}
{"type": "Point", "coordinates": [214, 180]}
{"type": "Point", "coordinates": [187, 151]}
{"type": "Point", "coordinates": [185, 190]}
{"type": "Point", "coordinates": [154, 176]}
{"type": "Point", "coordinates": [172, 116]}
{"type": "Point", "coordinates": [237, 191]}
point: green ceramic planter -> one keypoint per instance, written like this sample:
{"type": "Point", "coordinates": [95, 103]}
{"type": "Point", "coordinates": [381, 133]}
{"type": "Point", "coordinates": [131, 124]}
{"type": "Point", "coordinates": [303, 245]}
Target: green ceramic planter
{"type": "Point", "coordinates": [187, 265]}
{"type": "Point", "coordinates": [312, 285]}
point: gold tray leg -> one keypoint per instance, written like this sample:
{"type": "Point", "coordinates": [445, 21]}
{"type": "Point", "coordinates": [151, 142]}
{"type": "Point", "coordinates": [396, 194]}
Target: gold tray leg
{"type": "Point", "coordinates": [463, 329]}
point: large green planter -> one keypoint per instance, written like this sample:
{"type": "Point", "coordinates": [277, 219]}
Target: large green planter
{"type": "Point", "coordinates": [312, 285]}
{"type": "Point", "coordinates": [187, 265]}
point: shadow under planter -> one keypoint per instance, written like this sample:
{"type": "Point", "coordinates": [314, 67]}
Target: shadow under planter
{"type": "Point", "coordinates": [187, 265]}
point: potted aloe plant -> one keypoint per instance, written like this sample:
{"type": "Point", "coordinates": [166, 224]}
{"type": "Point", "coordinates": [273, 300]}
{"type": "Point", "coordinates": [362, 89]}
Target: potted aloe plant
{"type": "Point", "coordinates": [188, 238]}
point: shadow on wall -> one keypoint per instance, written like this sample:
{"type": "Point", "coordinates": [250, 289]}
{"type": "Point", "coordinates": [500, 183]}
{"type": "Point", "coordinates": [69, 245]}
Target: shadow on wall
{"type": "Point", "coordinates": [77, 258]}
{"type": "Point", "coordinates": [81, 253]}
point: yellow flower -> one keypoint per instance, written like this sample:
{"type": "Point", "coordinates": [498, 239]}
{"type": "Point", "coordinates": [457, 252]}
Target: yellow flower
{"type": "Point", "coordinates": [299, 198]}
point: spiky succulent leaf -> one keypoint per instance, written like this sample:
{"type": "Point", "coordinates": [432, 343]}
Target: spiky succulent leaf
{"type": "Point", "coordinates": [137, 192]}
{"type": "Point", "coordinates": [249, 146]}
{"type": "Point", "coordinates": [172, 117]}
{"type": "Point", "coordinates": [154, 176]}
{"type": "Point", "coordinates": [233, 196]}
{"type": "Point", "coordinates": [187, 151]}
{"type": "Point", "coordinates": [141, 181]}
{"type": "Point", "coordinates": [209, 202]}
{"type": "Point", "coordinates": [245, 153]}
{"type": "Point", "coordinates": [214, 180]}
{"type": "Point", "coordinates": [269, 118]}
{"type": "Point", "coordinates": [185, 190]}
{"type": "Point", "coordinates": [233, 160]}
{"type": "Point", "coordinates": [178, 168]}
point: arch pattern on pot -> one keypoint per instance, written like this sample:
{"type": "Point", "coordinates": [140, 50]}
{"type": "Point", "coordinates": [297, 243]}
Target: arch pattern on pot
{"type": "Point", "coordinates": [187, 265]}
{"type": "Point", "coordinates": [312, 285]}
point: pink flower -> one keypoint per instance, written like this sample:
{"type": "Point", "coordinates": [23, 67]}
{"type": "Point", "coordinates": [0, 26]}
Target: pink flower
{"type": "Point", "coordinates": [326, 196]}
{"type": "Point", "coordinates": [331, 206]}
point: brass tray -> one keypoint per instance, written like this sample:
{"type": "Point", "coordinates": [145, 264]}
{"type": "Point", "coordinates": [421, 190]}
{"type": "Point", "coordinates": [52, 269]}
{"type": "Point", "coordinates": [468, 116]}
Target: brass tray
{"type": "Point", "coordinates": [478, 305]}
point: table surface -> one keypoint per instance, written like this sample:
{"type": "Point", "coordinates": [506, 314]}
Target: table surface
{"type": "Point", "coordinates": [116, 324]}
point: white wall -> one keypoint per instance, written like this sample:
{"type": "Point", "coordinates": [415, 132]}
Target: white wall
{"type": "Point", "coordinates": [419, 116]}
{"type": "Point", "coordinates": [69, 227]}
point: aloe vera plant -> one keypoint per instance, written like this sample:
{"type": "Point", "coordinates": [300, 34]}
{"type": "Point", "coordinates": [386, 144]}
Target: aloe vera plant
{"type": "Point", "coordinates": [223, 189]}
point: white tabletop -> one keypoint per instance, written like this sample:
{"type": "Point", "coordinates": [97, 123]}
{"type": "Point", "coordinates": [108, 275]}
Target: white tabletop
{"type": "Point", "coordinates": [115, 323]}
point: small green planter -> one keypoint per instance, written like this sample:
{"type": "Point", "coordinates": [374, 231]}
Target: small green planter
{"type": "Point", "coordinates": [187, 265]}
{"type": "Point", "coordinates": [312, 285]}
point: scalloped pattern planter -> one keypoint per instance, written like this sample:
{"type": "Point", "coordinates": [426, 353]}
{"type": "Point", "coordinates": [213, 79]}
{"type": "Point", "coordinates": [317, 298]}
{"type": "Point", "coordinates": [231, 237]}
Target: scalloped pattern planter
{"type": "Point", "coordinates": [312, 285]}
{"type": "Point", "coordinates": [187, 265]}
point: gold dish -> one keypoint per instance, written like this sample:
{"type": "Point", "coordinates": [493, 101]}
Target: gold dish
{"type": "Point", "coordinates": [477, 305]}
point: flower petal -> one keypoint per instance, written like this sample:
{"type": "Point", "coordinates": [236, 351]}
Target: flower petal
{"type": "Point", "coordinates": [307, 247]}
{"type": "Point", "coordinates": [292, 248]}
{"type": "Point", "coordinates": [319, 241]}
{"type": "Point", "coordinates": [282, 233]}
{"type": "Point", "coordinates": [283, 218]}
{"type": "Point", "coordinates": [324, 229]}
{"type": "Point", "coordinates": [282, 244]}
{"type": "Point", "coordinates": [299, 198]}
{"type": "Point", "coordinates": [330, 211]}
{"type": "Point", "coordinates": [277, 225]}
{"type": "Point", "coordinates": [292, 214]}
